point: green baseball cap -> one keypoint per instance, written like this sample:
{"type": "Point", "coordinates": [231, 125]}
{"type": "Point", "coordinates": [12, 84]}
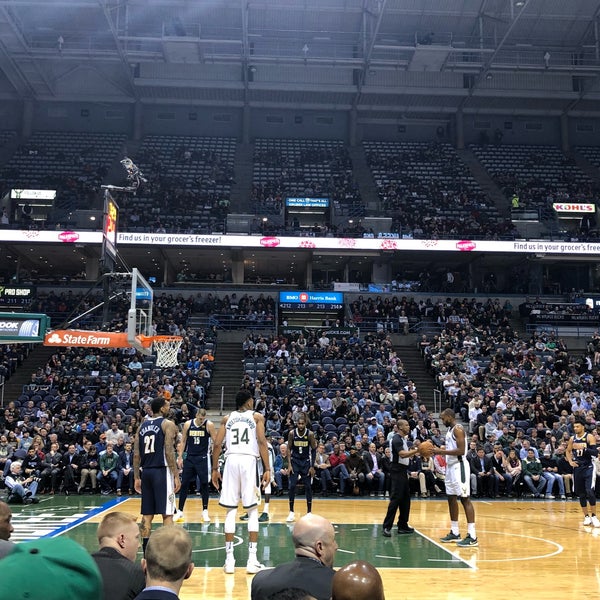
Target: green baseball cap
{"type": "Point", "coordinates": [50, 569]}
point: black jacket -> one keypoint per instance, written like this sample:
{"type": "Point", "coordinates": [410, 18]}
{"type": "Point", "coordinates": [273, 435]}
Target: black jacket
{"type": "Point", "coordinates": [122, 578]}
{"type": "Point", "coordinates": [302, 573]}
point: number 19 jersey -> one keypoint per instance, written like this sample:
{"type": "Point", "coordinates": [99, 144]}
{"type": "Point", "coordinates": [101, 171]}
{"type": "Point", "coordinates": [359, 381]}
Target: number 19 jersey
{"type": "Point", "coordinates": [240, 434]}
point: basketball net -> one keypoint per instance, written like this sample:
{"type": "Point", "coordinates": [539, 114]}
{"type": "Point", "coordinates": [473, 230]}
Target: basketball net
{"type": "Point", "coordinates": [166, 348]}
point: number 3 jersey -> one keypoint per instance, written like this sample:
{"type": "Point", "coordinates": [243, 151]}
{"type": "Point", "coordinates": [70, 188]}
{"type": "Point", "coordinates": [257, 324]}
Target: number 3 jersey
{"type": "Point", "coordinates": [152, 443]}
{"type": "Point", "coordinates": [240, 434]}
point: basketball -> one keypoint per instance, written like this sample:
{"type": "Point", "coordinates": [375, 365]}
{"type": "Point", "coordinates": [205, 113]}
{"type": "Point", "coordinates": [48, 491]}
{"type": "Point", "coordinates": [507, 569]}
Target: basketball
{"type": "Point", "coordinates": [426, 449]}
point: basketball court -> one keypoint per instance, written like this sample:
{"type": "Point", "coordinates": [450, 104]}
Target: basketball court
{"type": "Point", "coordinates": [527, 548]}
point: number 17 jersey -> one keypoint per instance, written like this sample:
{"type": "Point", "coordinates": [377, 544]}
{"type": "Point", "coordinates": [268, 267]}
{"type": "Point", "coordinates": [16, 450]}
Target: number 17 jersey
{"type": "Point", "coordinates": [152, 443]}
{"type": "Point", "coordinates": [240, 434]}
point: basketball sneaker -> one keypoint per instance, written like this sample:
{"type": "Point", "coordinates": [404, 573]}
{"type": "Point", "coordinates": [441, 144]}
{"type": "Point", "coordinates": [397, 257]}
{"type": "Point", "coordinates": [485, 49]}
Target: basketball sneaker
{"type": "Point", "coordinates": [205, 516]}
{"type": "Point", "coordinates": [595, 521]}
{"type": "Point", "coordinates": [291, 517]}
{"type": "Point", "coordinates": [229, 566]}
{"type": "Point", "coordinates": [468, 542]}
{"type": "Point", "coordinates": [253, 566]}
{"type": "Point", "coordinates": [244, 517]}
{"type": "Point", "coordinates": [178, 517]}
{"type": "Point", "coordinates": [450, 538]}
{"type": "Point", "coordinates": [587, 520]}
{"type": "Point", "coordinates": [264, 517]}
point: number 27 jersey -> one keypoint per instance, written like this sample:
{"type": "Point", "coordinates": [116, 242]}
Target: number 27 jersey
{"type": "Point", "coordinates": [240, 434]}
{"type": "Point", "coordinates": [152, 443]}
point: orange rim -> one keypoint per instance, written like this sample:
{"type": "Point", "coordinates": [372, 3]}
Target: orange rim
{"type": "Point", "coordinates": [147, 340]}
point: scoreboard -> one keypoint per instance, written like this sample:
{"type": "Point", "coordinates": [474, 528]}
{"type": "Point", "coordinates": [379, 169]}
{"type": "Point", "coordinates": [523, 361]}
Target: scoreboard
{"type": "Point", "coordinates": [307, 301]}
{"type": "Point", "coordinates": [304, 308]}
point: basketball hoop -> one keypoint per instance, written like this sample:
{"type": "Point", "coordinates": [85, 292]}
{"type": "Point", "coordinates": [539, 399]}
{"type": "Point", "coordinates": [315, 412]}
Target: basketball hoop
{"type": "Point", "coordinates": [166, 348]}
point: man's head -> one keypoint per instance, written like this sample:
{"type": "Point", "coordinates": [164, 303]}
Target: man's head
{"type": "Point", "coordinates": [6, 527]}
{"type": "Point", "coordinates": [314, 536]}
{"type": "Point", "coordinates": [579, 426]}
{"type": "Point", "coordinates": [448, 417]}
{"type": "Point", "coordinates": [160, 406]}
{"type": "Point", "coordinates": [119, 531]}
{"type": "Point", "coordinates": [168, 558]}
{"type": "Point", "coordinates": [301, 424]}
{"type": "Point", "coordinates": [242, 399]}
{"type": "Point", "coordinates": [358, 580]}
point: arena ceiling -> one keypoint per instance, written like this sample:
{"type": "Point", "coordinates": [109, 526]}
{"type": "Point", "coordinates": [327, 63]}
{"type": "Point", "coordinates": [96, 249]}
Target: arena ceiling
{"type": "Point", "coordinates": [408, 56]}
{"type": "Point", "coordinates": [386, 59]}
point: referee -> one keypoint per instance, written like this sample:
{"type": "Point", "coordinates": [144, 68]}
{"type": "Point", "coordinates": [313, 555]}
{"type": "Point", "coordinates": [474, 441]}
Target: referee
{"type": "Point", "coordinates": [400, 493]}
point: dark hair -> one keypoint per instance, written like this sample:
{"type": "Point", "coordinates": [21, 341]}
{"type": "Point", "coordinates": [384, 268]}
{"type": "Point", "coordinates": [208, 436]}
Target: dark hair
{"type": "Point", "coordinates": [242, 397]}
{"type": "Point", "coordinates": [581, 421]}
{"type": "Point", "coordinates": [157, 403]}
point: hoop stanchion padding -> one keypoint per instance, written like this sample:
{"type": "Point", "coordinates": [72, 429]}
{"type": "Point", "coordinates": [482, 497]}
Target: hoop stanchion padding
{"type": "Point", "coordinates": [166, 348]}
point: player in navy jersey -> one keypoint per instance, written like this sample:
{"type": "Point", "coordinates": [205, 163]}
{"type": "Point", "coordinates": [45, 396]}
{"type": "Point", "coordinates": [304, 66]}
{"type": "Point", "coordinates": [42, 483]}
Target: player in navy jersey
{"type": "Point", "coordinates": [245, 445]}
{"type": "Point", "coordinates": [194, 457]}
{"type": "Point", "coordinates": [581, 452]}
{"type": "Point", "coordinates": [302, 445]}
{"type": "Point", "coordinates": [155, 468]}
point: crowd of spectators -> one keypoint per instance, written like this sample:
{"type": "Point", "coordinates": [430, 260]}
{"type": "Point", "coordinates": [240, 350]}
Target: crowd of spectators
{"type": "Point", "coordinates": [533, 177]}
{"type": "Point", "coordinates": [513, 393]}
{"type": "Point", "coordinates": [352, 388]}
{"type": "Point", "coordinates": [84, 400]}
{"type": "Point", "coordinates": [303, 168]}
{"type": "Point", "coordinates": [186, 188]}
{"type": "Point", "coordinates": [426, 188]}
{"type": "Point", "coordinates": [430, 193]}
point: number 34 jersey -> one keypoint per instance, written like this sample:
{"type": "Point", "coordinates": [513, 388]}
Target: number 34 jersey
{"type": "Point", "coordinates": [240, 434]}
{"type": "Point", "coordinates": [152, 443]}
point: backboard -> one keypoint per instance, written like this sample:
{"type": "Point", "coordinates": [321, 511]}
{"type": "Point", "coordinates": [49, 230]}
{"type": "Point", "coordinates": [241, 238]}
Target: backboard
{"type": "Point", "coordinates": [139, 317]}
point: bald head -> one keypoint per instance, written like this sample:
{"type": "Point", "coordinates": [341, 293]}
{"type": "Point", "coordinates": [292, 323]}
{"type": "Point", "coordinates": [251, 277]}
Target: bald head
{"type": "Point", "coordinates": [358, 580]}
{"type": "Point", "coordinates": [314, 536]}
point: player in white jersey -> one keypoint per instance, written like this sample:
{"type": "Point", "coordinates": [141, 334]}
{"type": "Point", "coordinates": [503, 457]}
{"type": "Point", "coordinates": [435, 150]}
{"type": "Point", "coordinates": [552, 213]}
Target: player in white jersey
{"type": "Point", "coordinates": [458, 476]}
{"type": "Point", "coordinates": [245, 446]}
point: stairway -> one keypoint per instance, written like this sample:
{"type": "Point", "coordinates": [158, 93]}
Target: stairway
{"type": "Point", "coordinates": [415, 369]}
{"type": "Point", "coordinates": [364, 179]}
{"type": "Point", "coordinates": [484, 180]}
{"type": "Point", "coordinates": [227, 374]}
{"type": "Point", "coordinates": [36, 358]}
{"type": "Point", "coordinates": [243, 169]}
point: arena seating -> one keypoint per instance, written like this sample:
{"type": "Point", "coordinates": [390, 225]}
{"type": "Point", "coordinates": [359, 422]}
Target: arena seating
{"type": "Point", "coordinates": [429, 191]}
{"type": "Point", "coordinates": [189, 185]}
{"type": "Point", "coordinates": [304, 168]}
{"type": "Point", "coordinates": [74, 163]}
{"type": "Point", "coordinates": [539, 175]}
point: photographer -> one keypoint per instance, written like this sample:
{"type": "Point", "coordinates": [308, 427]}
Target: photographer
{"type": "Point", "coordinates": [22, 489]}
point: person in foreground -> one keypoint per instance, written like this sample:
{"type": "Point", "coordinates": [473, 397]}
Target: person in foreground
{"type": "Point", "coordinates": [581, 453]}
{"type": "Point", "coordinates": [312, 569]}
{"type": "Point", "coordinates": [154, 455]}
{"type": "Point", "coordinates": [458, 481]}
{"type": "Point", "coordinates": [167, 564]}
{"type": "Point", "coordinates": [50, 569]}
{"type": "Point", "coordinates": [119, 539]}
{"type": "Point", "coordinates": [358, 580]}
{"type": "Point", "coordinates": [6, 529]}
{"type": "Point", "coordinates": [245, 444]}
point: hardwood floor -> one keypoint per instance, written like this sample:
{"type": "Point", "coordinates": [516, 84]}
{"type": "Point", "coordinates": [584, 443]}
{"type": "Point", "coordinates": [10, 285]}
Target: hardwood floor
{"type": "Point", "coordinates": [536, 548]}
